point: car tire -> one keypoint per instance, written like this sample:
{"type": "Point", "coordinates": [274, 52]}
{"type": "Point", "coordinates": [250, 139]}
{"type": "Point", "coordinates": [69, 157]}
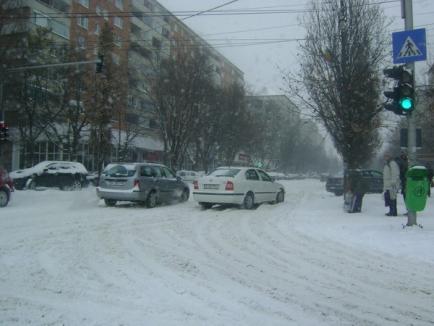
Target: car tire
{"type": "Point", "coordinates": [338, 193]}
{"type": "Point", "coordinates": [151, 201]}
{"type": "Point", "coordinates": [249, 201]}
{"type": "Point", "coordinates": [31, 184]}
{"type": "Point", "coordinates": [4, 197]}
{"type": "Point", "coordinates": [73, 186]}
{"type": "Point", "coordinates": [206, 205]}
{"type": "Point", "coordinates": [280, 198]}
{"type": "Point", "coordinates": [110, 202]}
{"type": "Point", "coordinates": [184, 196]}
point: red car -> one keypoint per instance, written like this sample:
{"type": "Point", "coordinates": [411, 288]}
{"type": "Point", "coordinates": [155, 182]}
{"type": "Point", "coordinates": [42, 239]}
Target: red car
{"type": "Point", "coordinates": [6, 187]}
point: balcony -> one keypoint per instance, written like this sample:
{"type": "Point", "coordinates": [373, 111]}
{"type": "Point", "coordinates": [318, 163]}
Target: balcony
{"type": "Point", "coordinates": [60, 5]}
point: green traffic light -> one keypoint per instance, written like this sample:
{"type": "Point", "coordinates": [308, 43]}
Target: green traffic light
{"type": "Point", "coordinates": [406, 103]}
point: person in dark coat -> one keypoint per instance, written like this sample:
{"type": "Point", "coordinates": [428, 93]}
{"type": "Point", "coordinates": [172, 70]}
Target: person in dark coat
{"type": "Point", "coordinates": [359, 187]}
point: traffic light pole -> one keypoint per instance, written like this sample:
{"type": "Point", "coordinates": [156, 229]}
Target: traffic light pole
{"type": "Point", "coordinates": [407, 14]}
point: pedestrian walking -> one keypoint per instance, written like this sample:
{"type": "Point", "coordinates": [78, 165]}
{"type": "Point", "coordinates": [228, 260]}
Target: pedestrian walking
{"type": "Point", "coordinates": [391, 183]}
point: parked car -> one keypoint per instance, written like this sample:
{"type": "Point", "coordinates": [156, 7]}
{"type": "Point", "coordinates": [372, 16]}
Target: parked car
{"type": "Point", "coordinates": [6, 187]}
{"type": "Point", "coordinates": [62, 174]}
{"type": "Point", "coordinates": [146, 183]}
{"type": "Point", "coordinates": [245, 186]}
{"type": "Point", "coordinates": [374, 179]}
{"type": "Point", "coordinates": [188, 176]}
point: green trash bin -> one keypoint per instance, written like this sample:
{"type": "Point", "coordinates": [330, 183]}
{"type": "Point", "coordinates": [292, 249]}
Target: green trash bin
{"type": "Point", "coordinates": [416, 188]}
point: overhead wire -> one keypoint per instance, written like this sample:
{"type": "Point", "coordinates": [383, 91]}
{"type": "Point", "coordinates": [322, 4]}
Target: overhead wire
{"type": "Point", "coordinates": [187, 13]}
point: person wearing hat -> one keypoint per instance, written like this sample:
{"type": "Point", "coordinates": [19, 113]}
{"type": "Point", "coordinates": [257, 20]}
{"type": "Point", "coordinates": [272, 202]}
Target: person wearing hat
{"type": "Point", "coordinates": [391, 183]}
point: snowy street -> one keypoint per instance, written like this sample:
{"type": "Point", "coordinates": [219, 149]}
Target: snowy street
{"type": "Point", "coordinates": [67, 259]}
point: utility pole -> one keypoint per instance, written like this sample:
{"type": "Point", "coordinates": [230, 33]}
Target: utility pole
{"type": "Point", "coordinates": [407, 14]}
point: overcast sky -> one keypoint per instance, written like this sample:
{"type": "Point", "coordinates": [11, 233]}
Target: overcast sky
{"type": "Point", "coordinates": [233, 35]}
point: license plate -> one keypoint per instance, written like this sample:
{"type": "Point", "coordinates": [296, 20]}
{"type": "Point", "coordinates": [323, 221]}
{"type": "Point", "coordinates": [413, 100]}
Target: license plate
{"type": "Point", "coordinates": [210, 186]}
{"type": "Point", "coordinates": [118, 183]}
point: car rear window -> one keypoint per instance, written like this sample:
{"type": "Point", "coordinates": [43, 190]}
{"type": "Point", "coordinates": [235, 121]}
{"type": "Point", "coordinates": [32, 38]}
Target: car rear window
{"type": "Point", "coordinates": [120, 171]}
{"type": "Point", "coordinates": [225, 173]}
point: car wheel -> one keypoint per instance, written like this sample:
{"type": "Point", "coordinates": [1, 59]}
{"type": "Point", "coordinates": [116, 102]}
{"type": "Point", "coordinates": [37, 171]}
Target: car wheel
{"type": "Point", "coordinates": [31, 184]}
{"type": "Point", "coordinates": [75, 185]}
{"type": "Point", "coordinates": [206, 205]}
{"type": "Point", "coordinates": [151, 201]}
{"type": "Point", "coordinates": [338, 193]}
{"type": "Point", "coordinates": [249, 201]}
{"type": "Point", "coordinates": [4, 198]}
{"type": "Point", "coordinates": [184, 196]}
{"type": "Point", "coordinates": [110, 202]}
{"type": "Point", "coordinates": [280, 198]}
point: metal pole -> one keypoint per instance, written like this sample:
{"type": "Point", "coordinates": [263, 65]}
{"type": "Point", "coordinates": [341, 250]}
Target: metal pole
{"type": "Point", "coordinates": [2, 112]}
{"type": "Point", "coordinates": [408, 16]}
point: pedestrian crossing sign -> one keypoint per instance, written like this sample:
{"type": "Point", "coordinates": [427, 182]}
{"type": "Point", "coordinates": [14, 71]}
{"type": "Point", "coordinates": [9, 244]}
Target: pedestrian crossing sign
{"type": "Point", "coordinates": [409, 46]}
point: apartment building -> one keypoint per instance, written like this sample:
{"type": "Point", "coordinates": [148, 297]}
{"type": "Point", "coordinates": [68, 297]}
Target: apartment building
{"type": "Point", "coordinates": [144, 33]}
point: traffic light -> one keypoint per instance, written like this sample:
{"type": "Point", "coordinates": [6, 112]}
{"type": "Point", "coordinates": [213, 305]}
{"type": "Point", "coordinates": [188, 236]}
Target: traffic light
{"type": "Point", "coordinates": [100, 63]}
{"type": "Point", "coordinates": [401, 98]}
{"type": "Point", "coordinates": [4, 131]}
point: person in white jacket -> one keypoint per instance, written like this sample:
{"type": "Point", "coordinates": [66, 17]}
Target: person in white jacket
{"type": "Point", "coordinates": [391, 184]}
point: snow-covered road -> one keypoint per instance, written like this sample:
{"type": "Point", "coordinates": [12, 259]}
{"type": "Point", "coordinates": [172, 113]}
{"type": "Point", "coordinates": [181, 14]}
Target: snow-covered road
{"type": "Point", "coordinates": [66, 259]}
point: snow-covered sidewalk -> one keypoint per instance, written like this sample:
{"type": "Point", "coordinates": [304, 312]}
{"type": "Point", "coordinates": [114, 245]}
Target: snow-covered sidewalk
{"type": "Point", "coordinates": [66, 259]}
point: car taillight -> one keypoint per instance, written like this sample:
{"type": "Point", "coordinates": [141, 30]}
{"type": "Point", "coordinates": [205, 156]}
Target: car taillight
{"type": "Point", "coordinates": [196, 185]}
{"type": "Point", "coordinates": [229, 186]}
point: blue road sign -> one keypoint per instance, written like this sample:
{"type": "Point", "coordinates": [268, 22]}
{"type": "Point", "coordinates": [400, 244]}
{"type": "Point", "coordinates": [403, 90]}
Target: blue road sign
{"type": "Point", "coordinates": [409, 46]}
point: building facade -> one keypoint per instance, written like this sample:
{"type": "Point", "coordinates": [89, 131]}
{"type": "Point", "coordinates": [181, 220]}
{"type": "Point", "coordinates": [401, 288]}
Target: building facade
{"type": "Point", "coordinates": [144, 32]}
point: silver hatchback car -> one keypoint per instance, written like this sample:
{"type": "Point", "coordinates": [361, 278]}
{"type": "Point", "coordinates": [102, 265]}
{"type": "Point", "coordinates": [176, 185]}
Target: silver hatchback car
{"type": "Point", "coordinates": [146, 183]}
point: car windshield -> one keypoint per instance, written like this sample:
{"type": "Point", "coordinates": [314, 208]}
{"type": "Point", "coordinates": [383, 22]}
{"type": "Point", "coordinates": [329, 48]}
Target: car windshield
{"type": "Point", "coordinates": [224, 173]}
{"type": "Point", "coordinates": [119, 170]}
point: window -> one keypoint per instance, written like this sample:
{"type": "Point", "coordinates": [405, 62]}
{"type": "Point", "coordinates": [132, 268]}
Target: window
{"type": "Point", "coordinates": [146, 171]}
{"type": "Point", "coordinates": [225, 173]}
{"type": "Point", "coordinates": [156, 43]}
{"type": "Point", "coordinates": [265, 176]}
{"type": "Point", "coordinates": [99, 10]}
{"type": "Point", "coordinates": [40, 19]}
{"type": "Point", "coordinates": [252, 175]}
{"type": "Point", "coordinates": [167, 173]}
{"type": "Point", "coordinates": [119, 4]}
{"type": "Point", "coordinates": [97, 29]}
{"type": "Point", "coordinates": [81, 42]}
{"type": "Point", "coordinates": [148, 21]}
{"type": "Point", "coordinates": [156, 172]}
{"type": "Point", "coordinates": [165, 32]}
{"type": "Point", "coordinates": [60, 29]}
{"type": "Point", "coordinates": [118, 22]}
{"type": "Point", "coordinates": [118, 40]}
{"type": "Point", "coordinates": [83, 21]}
{"type": "Point", "coordinates": [116, 59]}
{"type": "Point", "coordinates": [148, 4]}
{"type": "Point", "coordinates": [84, 3]}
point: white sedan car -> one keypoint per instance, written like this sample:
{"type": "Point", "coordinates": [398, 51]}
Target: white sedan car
{"type": "Point", "coordinates": [245, 186]}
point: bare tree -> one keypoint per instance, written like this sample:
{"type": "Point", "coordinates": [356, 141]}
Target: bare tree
{"type": "Point", "coordinates": [106, 99]}
{"type": "Point", "coordinates": [68, 129]}
{"type": "Point", "coordinates": [340, 61]}
{"type": "Point", "coordinates": [177, 89]}
{"type": "Point", "coordinates": [238, 130]}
